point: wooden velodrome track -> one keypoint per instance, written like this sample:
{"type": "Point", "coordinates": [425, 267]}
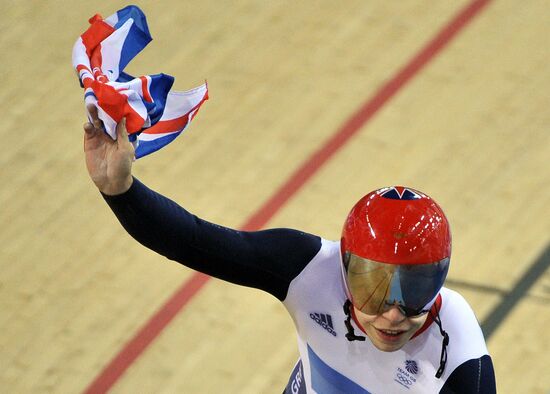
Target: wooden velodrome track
{"type": "Point", "coordinates": [469, 127]}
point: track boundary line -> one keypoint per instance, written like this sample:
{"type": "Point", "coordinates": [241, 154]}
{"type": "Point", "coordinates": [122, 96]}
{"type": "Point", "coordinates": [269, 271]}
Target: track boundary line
{"type": "Point", "coordinates": [518, 292]}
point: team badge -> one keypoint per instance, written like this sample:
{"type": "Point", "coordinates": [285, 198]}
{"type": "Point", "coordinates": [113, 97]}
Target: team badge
{"type": "Point", "coordinates": [411, 366]}
{"type": "Point", "coordinates": [407, 377]}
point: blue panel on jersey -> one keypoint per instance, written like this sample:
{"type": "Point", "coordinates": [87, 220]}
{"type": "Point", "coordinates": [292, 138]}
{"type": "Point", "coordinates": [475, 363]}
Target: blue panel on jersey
{"type": "Point", "coordinates": [324, 379]}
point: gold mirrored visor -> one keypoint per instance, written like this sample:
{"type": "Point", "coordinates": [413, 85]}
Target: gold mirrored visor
{"type": "Point", "coordinates": [375, 287]}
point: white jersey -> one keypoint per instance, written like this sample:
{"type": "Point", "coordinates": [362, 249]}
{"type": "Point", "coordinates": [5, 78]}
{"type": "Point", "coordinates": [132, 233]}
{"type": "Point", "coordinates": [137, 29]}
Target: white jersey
{"type": "Point", "coordinates": [332, 364]}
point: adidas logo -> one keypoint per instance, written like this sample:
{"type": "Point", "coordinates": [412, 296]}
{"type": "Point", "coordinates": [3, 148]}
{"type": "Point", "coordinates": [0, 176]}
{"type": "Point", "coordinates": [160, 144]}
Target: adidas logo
{"type": "Point", "coordinates": [324, 320]}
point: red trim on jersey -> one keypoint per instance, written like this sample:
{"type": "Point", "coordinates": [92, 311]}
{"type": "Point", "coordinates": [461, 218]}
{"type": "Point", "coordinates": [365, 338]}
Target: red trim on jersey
{"type": "Point", "coordinates": [436, 307]}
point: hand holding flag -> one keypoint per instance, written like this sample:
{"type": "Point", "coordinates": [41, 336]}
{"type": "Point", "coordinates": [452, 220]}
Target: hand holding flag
{"type": "Point", "coordinates": [109, 161]}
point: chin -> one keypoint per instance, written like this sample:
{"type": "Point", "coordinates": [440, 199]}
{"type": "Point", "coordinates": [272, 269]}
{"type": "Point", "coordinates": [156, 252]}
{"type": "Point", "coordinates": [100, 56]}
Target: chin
{"type": "Point", "coordinates": [387, 347]}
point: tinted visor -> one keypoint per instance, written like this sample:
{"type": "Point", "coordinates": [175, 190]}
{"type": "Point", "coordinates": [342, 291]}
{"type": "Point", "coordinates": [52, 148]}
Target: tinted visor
{"type": "Point", "coordinates": [375, 287]}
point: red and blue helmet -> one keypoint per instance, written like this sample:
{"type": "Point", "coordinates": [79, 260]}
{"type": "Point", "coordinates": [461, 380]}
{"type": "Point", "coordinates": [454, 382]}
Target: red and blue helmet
{"type": "Point", "coordinates": [396, 248]}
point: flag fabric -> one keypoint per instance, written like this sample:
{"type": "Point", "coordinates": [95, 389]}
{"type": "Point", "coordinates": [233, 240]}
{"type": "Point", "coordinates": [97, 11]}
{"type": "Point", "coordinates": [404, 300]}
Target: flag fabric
{"type": "Point", "coordinates": [155, 115]}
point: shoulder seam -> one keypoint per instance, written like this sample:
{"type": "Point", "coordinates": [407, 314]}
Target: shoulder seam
{"type": "Point", "coordinates": [479, 375]}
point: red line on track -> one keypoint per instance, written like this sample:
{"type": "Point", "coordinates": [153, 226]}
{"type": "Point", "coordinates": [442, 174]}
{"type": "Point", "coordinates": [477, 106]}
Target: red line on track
{"type": "Point", "coordinates": [154, 326]}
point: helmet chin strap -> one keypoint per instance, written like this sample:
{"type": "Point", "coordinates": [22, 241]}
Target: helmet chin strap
{"type": "Point", "coordinates": [350, 335]}
{"type": "Point", "coordinates": [443, 357]}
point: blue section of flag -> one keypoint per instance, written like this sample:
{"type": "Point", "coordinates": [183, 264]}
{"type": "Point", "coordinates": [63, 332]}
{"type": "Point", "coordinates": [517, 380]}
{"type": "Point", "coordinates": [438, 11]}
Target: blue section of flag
{"type": "Point", "coordinates": [138, 35]}
{"type": "Point", "coordinates": [123, 77]}
{"type": "Point", "coordinates": [326, 380]}
{"type": "Point", "coordinates": [160, 86]}
{"type": "Point", "coordinates": [133, 12]}
{"type": "Point", "coordinates": [146, 147]}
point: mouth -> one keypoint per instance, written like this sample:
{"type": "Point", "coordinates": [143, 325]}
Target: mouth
{"type": "Point", "coordinates": [390, 335]}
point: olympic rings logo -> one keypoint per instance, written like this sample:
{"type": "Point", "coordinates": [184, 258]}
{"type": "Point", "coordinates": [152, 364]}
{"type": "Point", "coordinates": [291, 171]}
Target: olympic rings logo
{"type": "Point", "coordinates": [404, 379]}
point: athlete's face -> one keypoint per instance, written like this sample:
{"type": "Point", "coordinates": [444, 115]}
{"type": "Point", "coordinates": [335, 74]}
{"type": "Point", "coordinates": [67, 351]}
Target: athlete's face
{"type": "Point", "coordinates": [391, 330]}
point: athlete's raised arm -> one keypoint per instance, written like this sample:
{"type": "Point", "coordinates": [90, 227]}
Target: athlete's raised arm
{"type": "Point", "coordinates": [267, 260]}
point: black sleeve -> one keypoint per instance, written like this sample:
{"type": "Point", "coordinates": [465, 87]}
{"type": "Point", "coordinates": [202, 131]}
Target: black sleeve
{"type": "Point", "coordinates": [266, 260]}
{"type": "Point", "coordinates": [474, 376]}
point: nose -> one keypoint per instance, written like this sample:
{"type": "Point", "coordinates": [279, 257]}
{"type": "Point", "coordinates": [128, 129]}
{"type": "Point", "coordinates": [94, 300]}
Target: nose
{"type": "Point", "coordinates": [394, 315]}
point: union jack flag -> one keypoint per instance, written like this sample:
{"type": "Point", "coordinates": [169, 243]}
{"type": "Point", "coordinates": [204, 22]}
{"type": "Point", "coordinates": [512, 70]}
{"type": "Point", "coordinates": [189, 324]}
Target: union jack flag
{"type": "Point", "coordinates": [155, 116]}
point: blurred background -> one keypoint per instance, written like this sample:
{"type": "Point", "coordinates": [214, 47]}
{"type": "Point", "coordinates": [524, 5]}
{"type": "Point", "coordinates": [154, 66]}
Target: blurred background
{"type": "Point", "coordinates": [470, 128]}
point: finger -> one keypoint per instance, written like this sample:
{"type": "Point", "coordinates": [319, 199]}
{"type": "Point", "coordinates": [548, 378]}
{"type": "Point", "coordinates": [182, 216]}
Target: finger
{"type": "Point", "coordinates": [92, 110]}
{"type": "Point", "coordinates": [88, 128]}
{"type": "Point", "coordinates": [121, 131]}
{"type": "Point", "coordinates": [90, 134]}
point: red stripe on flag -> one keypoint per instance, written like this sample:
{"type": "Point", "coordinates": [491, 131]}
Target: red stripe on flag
{"type": "Point", "coordinates": [86, 82]}
{"type": "Point", "coordinates": [116, 106]}
{"type": "Point", "coordinates": [97, 32]}
{"type": "Point", "coordinates": [96, 61]}
{"type": "Point", "coordinates": [169, 126]}
{"type": "Point", "coordinates": [127, 355]}
{"type": "Point", "coordinates": [81, 67]}
{"type": "Point", "coordinates": [145, 89]}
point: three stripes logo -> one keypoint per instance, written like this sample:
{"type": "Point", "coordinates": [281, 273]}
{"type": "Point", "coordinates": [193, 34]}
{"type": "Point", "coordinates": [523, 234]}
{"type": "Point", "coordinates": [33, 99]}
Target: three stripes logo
{"type": "Point", "coordinates": [325, 321]}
